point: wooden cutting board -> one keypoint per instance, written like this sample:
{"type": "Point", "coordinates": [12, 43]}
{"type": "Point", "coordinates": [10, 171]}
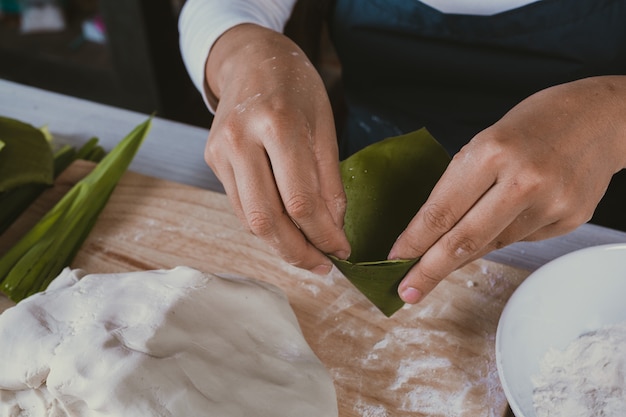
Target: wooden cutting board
{"type": "Point", "coordinates": [435, 359]}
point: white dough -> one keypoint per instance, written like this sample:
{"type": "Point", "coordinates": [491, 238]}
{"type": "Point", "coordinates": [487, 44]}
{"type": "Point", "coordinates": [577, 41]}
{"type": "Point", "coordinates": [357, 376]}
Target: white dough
{"type": "Point", "coordinates": [158, 343]}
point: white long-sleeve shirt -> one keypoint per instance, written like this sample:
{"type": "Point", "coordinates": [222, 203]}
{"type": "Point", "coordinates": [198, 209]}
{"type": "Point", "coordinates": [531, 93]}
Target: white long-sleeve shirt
{"type": "Point", "coordinates": [202, 22]}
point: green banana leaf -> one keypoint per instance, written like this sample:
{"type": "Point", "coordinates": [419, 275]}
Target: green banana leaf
{"type": "Point", "coordinates": [386, 183]}
{"type": "Point", "coordinates": [26, 156]}
{"type": "Point", "coordinates": [16, 200]}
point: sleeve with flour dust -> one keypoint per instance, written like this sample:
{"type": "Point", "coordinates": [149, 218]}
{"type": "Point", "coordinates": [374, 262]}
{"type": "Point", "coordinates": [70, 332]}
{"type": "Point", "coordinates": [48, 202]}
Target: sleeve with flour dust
{"type": "Point", "coordinates": [202, 22]}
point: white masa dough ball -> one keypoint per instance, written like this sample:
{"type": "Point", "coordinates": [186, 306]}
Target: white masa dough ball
{"type": "Point", "coordinates": [159, 343]}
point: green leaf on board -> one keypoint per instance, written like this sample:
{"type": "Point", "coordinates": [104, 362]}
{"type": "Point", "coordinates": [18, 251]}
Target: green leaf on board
{"type": "Point", "coordinates": [33, 262]}
{"type": "Point", "coordinates": [16, 200]}
{"type": "Point", "coordinates": [26, 156]}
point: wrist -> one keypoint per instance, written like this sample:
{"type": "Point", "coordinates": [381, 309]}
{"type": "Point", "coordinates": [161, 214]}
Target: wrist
{"type": "Point", "coordinates": [244, 51]}
{"type": "Point", "coordinates": [603, 99]}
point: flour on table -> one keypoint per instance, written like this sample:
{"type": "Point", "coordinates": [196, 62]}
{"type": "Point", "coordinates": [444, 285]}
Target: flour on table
{"type": "Point", "coordinates": [158, 343]}
{"type": "Point", "coordinates": [587, 379]}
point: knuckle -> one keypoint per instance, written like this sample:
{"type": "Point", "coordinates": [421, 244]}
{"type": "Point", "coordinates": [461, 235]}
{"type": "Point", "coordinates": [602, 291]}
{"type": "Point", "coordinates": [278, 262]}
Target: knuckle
{"type": "Point", "coordinates": [325, 240]}
{"type": "Point", "coordinates": [300, 206]}
{"type": "Point", "coordinates": [525, 185]}
{"type": "Point", "coordinates": [430, 277]}
{"type": "Point", "coordinates": [438, 218]}
{"type": "Point", "coordinates": [293, 260]}
{"type": "Point", "coordinates": [261, 224]}
{"type": "Point", "coordinates": [211, 153]}
{"type": "Point", "coordinates": [266, 117]}
{"type": "Point", "coordinates": [294, 255]}
{"type": "Point", "coordinates": [569, 211]}
{"type": "Point", "coordinates": [500, 243]}
{"type": "Point", "coordinates": [560, 211]}
{"type": "Point", "coordinates": [412, 248]}
{"type": "Point", "coordinates": [571, 222]}
{"type": "Point", "coordinates": [221, 141]}
{"type": "Point", "coordinates": [275, 112]}
{"type": "Point", "coordinates": [461, 246]}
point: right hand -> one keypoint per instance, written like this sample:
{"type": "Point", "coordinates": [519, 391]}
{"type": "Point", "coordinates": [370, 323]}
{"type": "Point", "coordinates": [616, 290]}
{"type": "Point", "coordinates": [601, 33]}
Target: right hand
{"type": "Point", "coordinates": [273, 146]}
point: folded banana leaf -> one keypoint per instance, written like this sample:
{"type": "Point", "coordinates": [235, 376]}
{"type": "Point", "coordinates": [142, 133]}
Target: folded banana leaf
{"type": "Point", "coordinates": [386, 183]}
{"type": "Point", "coordinates": [26, 156]}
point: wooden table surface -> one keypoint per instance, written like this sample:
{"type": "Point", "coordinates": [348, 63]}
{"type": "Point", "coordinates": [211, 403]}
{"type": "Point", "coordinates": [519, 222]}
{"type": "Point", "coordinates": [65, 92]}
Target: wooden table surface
{"type": "Point", "coordinates": [436, 359]}
{"type": "Point", "coordinates": [174, 152]}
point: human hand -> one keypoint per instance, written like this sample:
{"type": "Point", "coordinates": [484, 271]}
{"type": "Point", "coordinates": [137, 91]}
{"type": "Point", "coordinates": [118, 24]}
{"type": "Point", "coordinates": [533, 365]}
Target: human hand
{"type": "Point", "coordinates": [273, 146]}
{"type": "Point", "coordinates": [537, 173]}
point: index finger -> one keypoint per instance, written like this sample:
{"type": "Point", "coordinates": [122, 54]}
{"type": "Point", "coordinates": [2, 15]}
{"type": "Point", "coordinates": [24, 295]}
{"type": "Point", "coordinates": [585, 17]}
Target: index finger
{"type": "Point", "coordinates": [460, 187]}
{"type": "Point", "coordinates": [309, 183]}
{"type": "Point", "coordinates": [452, 227]}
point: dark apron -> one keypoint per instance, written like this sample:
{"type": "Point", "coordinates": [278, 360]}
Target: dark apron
{"type": "Point", "coordinates": [407, 65]}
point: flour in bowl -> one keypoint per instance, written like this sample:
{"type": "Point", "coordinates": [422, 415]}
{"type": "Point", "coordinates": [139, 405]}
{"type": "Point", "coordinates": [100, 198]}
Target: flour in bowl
{"type": "Point", "coordinates": [586, 379]}
{"type": "Point", "coordinates": [158, 344]}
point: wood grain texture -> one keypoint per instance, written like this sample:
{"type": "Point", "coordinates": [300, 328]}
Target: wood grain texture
{"type": "Point", "coordinates": [434, 359]}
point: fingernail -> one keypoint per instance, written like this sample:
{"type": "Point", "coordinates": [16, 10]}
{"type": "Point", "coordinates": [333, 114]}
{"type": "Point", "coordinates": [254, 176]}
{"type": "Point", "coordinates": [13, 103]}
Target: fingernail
{"type": "Point", "coordinates": [342, 254]}
{"type": "Point", "coordinates": [323, 269]}
{"type": "Point", "coordinates": [410, 295]}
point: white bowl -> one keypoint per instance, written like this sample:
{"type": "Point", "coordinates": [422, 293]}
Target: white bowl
{"type": "Point", "coordinates": [574, 294]}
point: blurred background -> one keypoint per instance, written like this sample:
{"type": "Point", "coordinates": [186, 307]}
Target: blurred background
{"type": "Point", "coordinates": [119, 52]}
{"type": "Point", "coordinates": [125, 53]}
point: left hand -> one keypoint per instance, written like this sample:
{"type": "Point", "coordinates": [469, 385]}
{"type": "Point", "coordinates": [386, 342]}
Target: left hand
{"type": "Point", "coordinates": [538, 172]}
